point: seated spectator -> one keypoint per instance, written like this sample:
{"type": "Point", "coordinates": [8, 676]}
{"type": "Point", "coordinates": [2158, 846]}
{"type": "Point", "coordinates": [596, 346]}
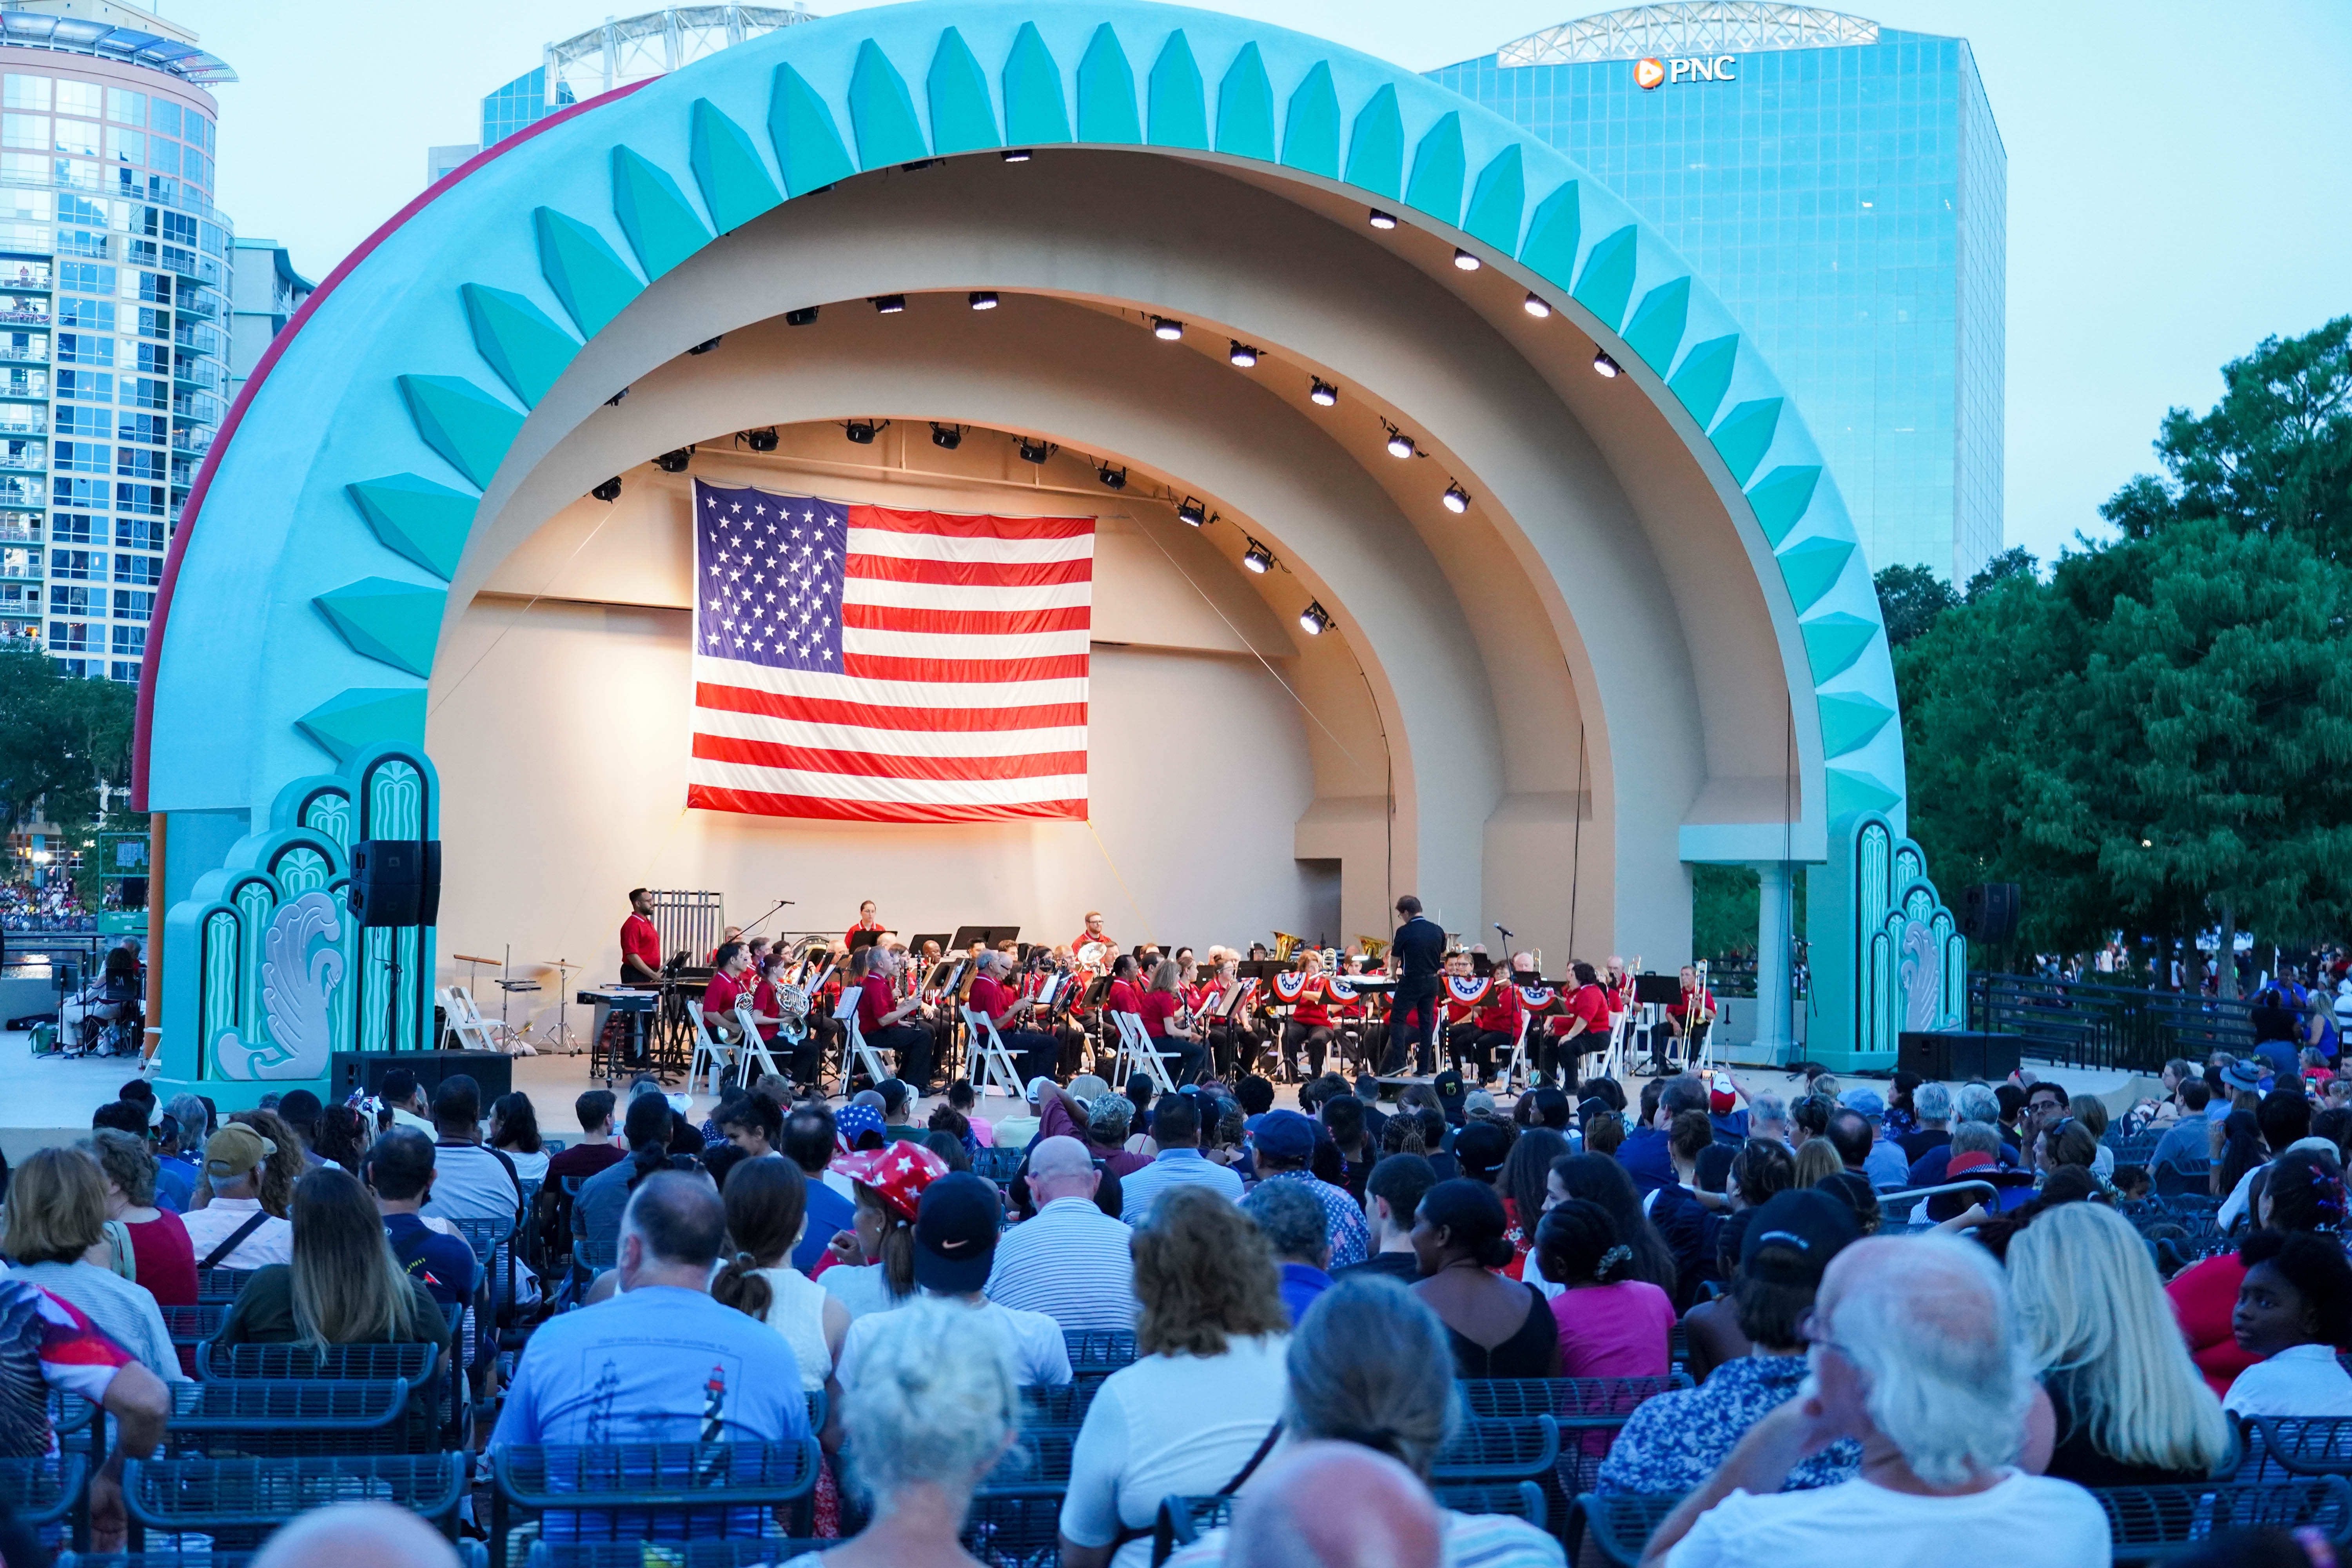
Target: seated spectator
{"type": "Point", "coordinates": [809, 1142]}
{"type": "Point", "coordinates": [1284, 1148]}
{"type": "Point", "coordinates": [49, 1346]}
{"type": "Point", "coordinates": [898, 1103]}
{"type": "Point", "coordinates": [299, 1110]}
{"type": "Point", "coordinates": [286, 1163]}
{"type": "Point", "coordinates": [644, 1135]}
{"type": "Point", "coordinates": [180, 1162]}
{"type": "Point", "coordinates": [2283, 1120]}
{"type": "Point", "coordinates": [956, 1223]}
{"type": "Point", "coordinates": [1392, 1195]}
{"type": "Point", "coordinates": [2295, 1312]}
{"type": "Point", "coordinates": [1201, 1406]}
{"type": "Point", "coordinates": [469, 1180]}
{"type": "Point", "coordinates": [1104, 1130]}
{"type": "Point", "coordinates": [1761, 1171]}
{"type": "Point", "coordinates": [1673, 1442]}
{"type": "Point", "coordinates": [1479, 1150]}
{"type": "Point", "coordinates": [927, 1416]}
{"type": "Point", "coordinates": [1866, 1148]}
{"type": "Point", "coordinates": [399, 1175]}
{"type": "Point", "coordinates": [1853, 1189]}
{"type": "Point", "coordinates": [1369, 1369]}
{"type": "Point", "coordinates": [594, 1147]}
{"type": "Point", "coordinates": [1819, 1160]}
{"type": "Point", "coordinates": [1525, 1184]}
{"type": "Point", "coordinates": [1599, 1179]}
{"type": "Point", "coordinates": [514, 1132]}
{"type": "Point", "coordinates": [357, 1535]}
{"type": "Point", "coordinates": [1915, 1355]}
{"type": "Point", "coordinates": [767, 1209]}
{"type": "Point", "coordinates": [1294, 1226]}
{"type": "Point", "coordinates": [949, 1145]}
{"type": "Point", "coordinates": [402, 1097]}
{"type": "Point", "coordinates": [162, 1260]}
{"type": "Point", "coordinates": [1610, 1325]}
{"type": "Point", "coordinates": [752, 1122]}
{"type": "Point", "coordinates": [2129, 1408]}
{"type": "Point", "coordinates": [1069, 1260]}
{"type": "Point", "coordinates": [1768, 1119]}
{"type": "Point", "coordinates": [1176, 1128]}
{"type": "Point", "coordinates": [1496, 1327]}
{"type": "Point", "coordinates": [873, 1266]}
{"type": "Point", "coordinates": [2186, 1145]}
{"type": "Point", "coordinates": [344, 1135]}
{"type": "Point", "coordinates": [57, 1213]}
{"type": "Point", "coordinates": [343, 1285]}
{"type": "Point", "coordinates": [2062, 1143]}
{"type": "Point", "coordinates": [1975, 1154]}
{"type": "Point", "coordinates": [965, 1102]}
{"type": "Point", "coordinates": [2091, 1113]}
{"type": "Point", "coordinates": [234, 1231]}
{"type": "Point", "coordinates": [1711, 1332]}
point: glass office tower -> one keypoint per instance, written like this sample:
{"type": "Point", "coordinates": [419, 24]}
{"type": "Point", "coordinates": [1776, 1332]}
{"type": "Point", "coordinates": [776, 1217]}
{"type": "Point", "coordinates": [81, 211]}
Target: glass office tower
{"type": "Point", "coordinates": [628, 49]}
{"type": "Point", "coordinates": [1844, 189]}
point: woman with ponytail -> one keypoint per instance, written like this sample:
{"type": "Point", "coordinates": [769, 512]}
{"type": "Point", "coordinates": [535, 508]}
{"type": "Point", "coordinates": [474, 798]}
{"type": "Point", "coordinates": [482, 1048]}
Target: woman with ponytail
{"type": "Point", "coordinates": [1497, 1327]}
{"type": "Point", "coordinates": [767, 1211]}
{"type": "Point", "coordinates": [874, 1265]}
{"type": "Point", "coordinates": [1610, 1323]}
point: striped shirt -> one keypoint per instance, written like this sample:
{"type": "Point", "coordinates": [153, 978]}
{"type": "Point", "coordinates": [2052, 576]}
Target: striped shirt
{"type": "Point", "coordinates": [1139, 1190]}
{"type": "Point", "coordinates": [1471, 1540]}
{"type": "Point", "coordinates": [1071, 1262]}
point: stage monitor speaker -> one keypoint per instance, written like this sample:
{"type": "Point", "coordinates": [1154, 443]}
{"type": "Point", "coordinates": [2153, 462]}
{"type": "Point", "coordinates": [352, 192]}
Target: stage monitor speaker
{"type": "Point", "coordinates": [492, 1071]}
{"type": "Point", "coordinates": [1989, 912]}
{"type": "Point", "coordinates": [1958, 1055]}
{"type": "Point", "coordinates": [395, 881]}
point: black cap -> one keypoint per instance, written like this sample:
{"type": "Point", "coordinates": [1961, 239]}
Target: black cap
{"type": "Point", "coordinates": [1480, 1149]}
{"type": "Point", "coordinates": [956, 1225]}
{"type": "Point", "coordinates": [1805, 1227]}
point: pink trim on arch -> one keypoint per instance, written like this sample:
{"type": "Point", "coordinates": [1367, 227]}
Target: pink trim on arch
{"type": "Point", "coordinates": [151, 661]}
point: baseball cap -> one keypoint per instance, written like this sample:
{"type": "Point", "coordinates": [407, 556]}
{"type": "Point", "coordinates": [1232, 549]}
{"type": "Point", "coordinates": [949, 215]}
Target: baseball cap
{"type": "Point", "coordinates": [234, 1149]}
{"type": "Point", "coordinates": [898, 1173]}
{"type": "Point", "coordinates": [956, 1225]}
{"type": "Point", "coordinates": [1866, 1102]}
{"type": "Point", "coordinates": [1804, 1228]}
{"type": "Point", "coordinates": [1480, 1149]}
{"type": "Point", "coordinates": [1286, 1135]}
{"type": "Point", "coordinates": [851, 1122]}
{"type": "Point", "coordinates": [1722, 1094]}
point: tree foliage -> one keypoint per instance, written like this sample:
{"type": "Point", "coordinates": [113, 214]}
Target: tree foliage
{"type": "Point", "coordinates": [61, 741]}
{"type": "Point", "coordinates": [1909, 600]}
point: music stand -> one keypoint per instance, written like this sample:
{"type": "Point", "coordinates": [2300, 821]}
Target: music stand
{"type": "Point", "coordinates": [1663, 989]}
{"type": "Point", "coordinates": [914, 944]}
{"type": "Point", "coordinates": [1482, 965]}
{"type": "Point", "coordinates": [860, 939]}
{"type": "Point", "coordinates": [987, 936]}
{"type": "Point", "coordinates": [1260, 969]}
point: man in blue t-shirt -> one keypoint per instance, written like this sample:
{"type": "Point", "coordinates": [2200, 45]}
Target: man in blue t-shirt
{"type": "Point", "coordinates": [400, 1173]}
{"type": "Point", "coordinates": [808, 1142]}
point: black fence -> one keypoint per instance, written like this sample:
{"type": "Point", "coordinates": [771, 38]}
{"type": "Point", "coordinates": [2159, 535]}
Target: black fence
{"type": "Point", "coordinates": [2085, 1024]}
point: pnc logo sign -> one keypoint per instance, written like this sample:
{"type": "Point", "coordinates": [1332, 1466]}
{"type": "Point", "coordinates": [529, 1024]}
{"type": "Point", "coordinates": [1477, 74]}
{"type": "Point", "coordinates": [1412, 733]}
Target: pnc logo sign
{"type": "Point", "coordinates": [1651, 74]}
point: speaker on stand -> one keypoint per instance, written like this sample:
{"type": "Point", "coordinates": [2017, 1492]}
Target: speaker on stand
{"type": "Point", "coordinates": [395, 883]}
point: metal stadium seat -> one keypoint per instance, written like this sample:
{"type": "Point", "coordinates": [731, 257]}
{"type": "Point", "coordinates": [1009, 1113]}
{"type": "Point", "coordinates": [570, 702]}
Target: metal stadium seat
{"type": "Point", "coordinates": [1616, 1527]}
{"type": "Point", "coordinates": [682, 1554]}
{"type": "Point", "coordinates": [410, 1364]}
{"type": "Point", "coordinates": [1098, 1352]}
{"type": "Point", "coordinates": [1492, 1448]}
{"type": "Point", "coordinates": [2151, 1524]}
{"type": "Point", "coordinates": [270, 1418]}
{"type": "Point", "coordinates": [1040, 1457]}
{"type": "Point", "coordinates": [1184, 1519]}
{"type": "Point", "coordinates": [238, 1502]}
{"type": "Point", "coordinates": [221, 1284]}
{"type": "Point", "coordinates": [2304, 1445]}
{"type": "Point", "coordinates": [1572, 1400]}
{"type": "Point", "coordinates": [1059, 1403]}
{"type": "Point", "coordinates": [653, 1491]}
{"type": "Point", "coordinates": [191, 1326]}
{"type": "Point", "coordinates": [42, 1494]}
{"type": "Point", "coordinates": [1015, 1527]}
{"type": "Point", "coordinates": [154, 1560]}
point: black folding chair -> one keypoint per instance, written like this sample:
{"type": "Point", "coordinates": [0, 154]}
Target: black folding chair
{"type": "Point", "coordinates": [652, 1491]}
{"type": "Point", "coordinates": [238, 1502]}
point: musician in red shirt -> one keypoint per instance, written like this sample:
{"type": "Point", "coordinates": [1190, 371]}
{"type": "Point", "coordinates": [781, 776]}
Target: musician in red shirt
{"type": "Point", "coordinates": [640, 943]}
{"type": "Point", "coordinates": [882, 1022]}
{"type": "Point", "coordinates": [726, 987]}
{"type": "Point", "coordinates": [1094, 933]}
{"type": "Point", "coordinates": [1686, 1019]}
{"type": "Point", "coordinates": [866, 921]}
{"type": "Point", "coordinates": [1482, 1018]}
{"type": "Point", "coordinates": [1585, 1019]}
{"type": "Point", "coordinates": [1159, 1007]}
{"type": "Point", "coordinates": [1307, 995]}
{"type": "Point", "coordinates": [1033, 1050]}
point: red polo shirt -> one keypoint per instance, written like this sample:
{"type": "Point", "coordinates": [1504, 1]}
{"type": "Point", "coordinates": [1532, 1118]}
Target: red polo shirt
{"type": "Point", "coordinates": [876, 1000]}
{"type": "Point", "coordinates": [1589, 1002]}
{"type": "Point", "coordinates": [640, 941]}
{"type": "Point", "coordinates": [987, 996]}
{"type": "Point", "coordinates": [1124, 998]}
{"type": "Point", "coordinates": [719, 995]}
{"type": "Point", "coordinates": [1156, 1008]}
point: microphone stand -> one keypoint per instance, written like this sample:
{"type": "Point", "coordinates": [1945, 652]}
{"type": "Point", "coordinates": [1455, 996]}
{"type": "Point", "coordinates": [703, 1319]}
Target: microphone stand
{"type": "Point", "coordinates": [763, 920]}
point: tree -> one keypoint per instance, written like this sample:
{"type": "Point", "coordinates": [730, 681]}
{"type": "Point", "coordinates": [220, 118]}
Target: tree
{"type": "Point", "coordinates": [1909, 600]}
{"type": "Point", "coordinates": [2014, 562]}
{"type": "Point", "coordinates": [61, 741]}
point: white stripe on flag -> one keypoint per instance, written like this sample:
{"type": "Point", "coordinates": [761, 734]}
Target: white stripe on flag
{"type": "Point", "coordinates": [888, 693]}
{"type": "Point", "coordinates": [888, 742]}
{"type": "Point", "coordinates": [963, 644]}
{"type": "Point", "coordinates": [960, 596]}
{"type": "Point", "coordinates": [859, 786]}
{"type": "Point", "coordinates": [938, 547]}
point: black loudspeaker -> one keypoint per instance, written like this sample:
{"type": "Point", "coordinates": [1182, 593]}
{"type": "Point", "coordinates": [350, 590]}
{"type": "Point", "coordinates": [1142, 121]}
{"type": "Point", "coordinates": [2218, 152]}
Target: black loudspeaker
{"type": "Point", "coordinates": [1989, 912]}
{"type": "Point", "coordinates": [395, 881]}
{"type": "Point", "coordinates": [492, 1071]}
{"type": "Point", "coordinates": [1949, 1055]}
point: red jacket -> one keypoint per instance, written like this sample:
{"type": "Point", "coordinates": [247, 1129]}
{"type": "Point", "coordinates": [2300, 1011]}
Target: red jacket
{"type": "Point", "coordinates": [2204, 1295]}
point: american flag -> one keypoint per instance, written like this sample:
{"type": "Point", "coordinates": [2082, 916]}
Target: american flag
{"type": "Point", "coordinates": [863, 664]}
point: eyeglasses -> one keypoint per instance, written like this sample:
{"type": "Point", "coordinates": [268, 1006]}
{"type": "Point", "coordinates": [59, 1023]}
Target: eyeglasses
{"type": "Point", "coordinates": [1809, 1329]}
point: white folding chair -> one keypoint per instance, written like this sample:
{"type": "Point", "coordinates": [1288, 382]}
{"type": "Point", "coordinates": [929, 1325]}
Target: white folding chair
{"type": "Point", "coordinates": [1136, 1054]}
{"type": "Point", "coordinates": [996, 1068]}
{"type": "Point", "coordinates": [473, 1031]}
{"type": "Point", "coordinates": [712, 1054]}
{"type": "Point", "coordinates": [755, 1048]}
{"type": "Point", "coordinates": [1514, 1065]}
{"type": "Point", "coordinates": [855, 1050]}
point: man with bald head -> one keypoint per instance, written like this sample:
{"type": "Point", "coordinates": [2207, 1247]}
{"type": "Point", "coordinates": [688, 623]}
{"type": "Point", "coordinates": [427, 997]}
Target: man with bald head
{"type": "Point", "coordinates": [358, 1535]}
{"type": "Point", "coordinates": [1915, 1355]}
{"type": "Point", "coordinates": [1070, 1261]}
{"type": "Point", "coordinates": [1335, 1504]}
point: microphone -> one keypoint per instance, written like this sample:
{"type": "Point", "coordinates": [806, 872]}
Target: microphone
{"type": "Point", "coordinates": [1505, 930]}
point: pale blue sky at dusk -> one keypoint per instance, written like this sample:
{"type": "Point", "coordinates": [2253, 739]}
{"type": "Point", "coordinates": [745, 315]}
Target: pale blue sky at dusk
{"type": "Point", "coordinates": [2178, 181]}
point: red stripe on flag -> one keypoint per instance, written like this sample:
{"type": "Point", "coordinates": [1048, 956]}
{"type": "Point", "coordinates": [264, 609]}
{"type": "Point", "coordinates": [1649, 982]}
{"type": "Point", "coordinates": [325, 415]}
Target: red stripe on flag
{"type": "Point", "coordinates": [988, 623]}
{"type": "Point", "coordinates": [872, 716]}
{"type": "Point", "coordinates": [881, 666]}
{"type": "Point", "coordinates": [877, 765]}
{"type": "Point", "coordinates": [969, 573]}
{"type": "Point", "coordinates": [757, 803]}
{"type": "Point", "coordinates": [959, 525]}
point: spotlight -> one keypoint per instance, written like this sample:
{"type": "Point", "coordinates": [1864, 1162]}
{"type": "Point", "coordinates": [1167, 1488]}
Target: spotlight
{"type": "Point", "coordinates": [1166, 330]}
{"type": "Point", "coordinates": [947, 438]}
{"type": "Point", "coordinates": [1605, 366]}
{"type": "Point", "coordinates": [1017, 154]}
{"type": "Point", "coordinates": [1242, 354]}
{"type": "Point", "coordinates": [860, 431]}
{"type": "Point", "coordinates": [917, 163]}
{"type": "Point", "coordinates": [707, 344]}
{"type": "Point", "coordinates": [609, 492]}
{"type": "Point", "coordinates": [1456, 498]}
{"type": "Point", "coordinates": [804, 316]}
{"type": "Point", "coordinates": [983, 299]}
{"type": "Point", "coordinates": [1400, 444]}
{"type": "Point", "coordinates": [1321, 392]}
{"type": "Point", "coordinates": [889, 304]}
{"type": "Point", "coordinates": [1113, 478]}
{"type": "Point", "coordinates": [1191, 512]}
{"type": "Point", "coordinates": [1383, 220]}
{"type": "Point", "coordinates": [1036, 451]}
{"type": "Point", "coordinates": [1538, 307]}
{"type": "Point", "coordinates": [1314, 620]}
{"type": "Point", "coordinates": [1257, 558]}
{"type": "Point", "coordinates": [675, 462]}
{"type": "Point", "coordinates": [1465, 261]}
{"type": "Point", "coordinates": [760, 440]}
{"type": "Point", "coordinates": [615, 401]}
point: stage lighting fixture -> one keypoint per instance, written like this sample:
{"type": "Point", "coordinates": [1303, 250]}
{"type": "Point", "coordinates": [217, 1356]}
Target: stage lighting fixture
{"type": "Point", "coordinates": [1538, 307]}
{"type": "Point", "coordinates": [1166, 330]}
{"type": "Point", "coordinates": [983, 299]}
{"type": "Point", "coordinates": [1314, 619]}
{"type": "Point", "coordinates": [1400, 444]}
{"type": "Point", "coordinates": [615, 401]}
{"type": "Point", "coordinates": [860, 431]}
{"type": "Point", "coordinates": [917, 163]}
{"type": "Point", "coordinates": [1257, 557]}
{"type": "Point", "coordinates": [1115, 479]}
{"type": "Point", "coordinates": [1191, 512]}
{"type": "Point", "coordinates": [760, 440]}
{"type": "Point", "coordinates": [1465, 261]}
{"type": "Point", "coordinates": [1605, 366]}
{"type": "Point", "coordinates": [1321, 392]}
{"type": "Point", "coordinates": [804, 316]}
{"type": "Point", "coordinates": [947, 438]}
{"type": "Point", "coordinates": [1035, 451]}
{"type": "Point", "coordinates": [889, 304]}
{"type": "Point", "coordinates": [707, 344]}
{"type": "Point", "coordinates": [1017, 154]}
{"type": "Point", "coordinates": [610, 490]}
{"type": "Point", "coordinates": [1242, 354]}
{"type": "Point", "coordinates": [1457, 499]}
{"type": "Point", "coordinates": [675, 462]}
{"type": "Point", "coordinates": [1383, 220]}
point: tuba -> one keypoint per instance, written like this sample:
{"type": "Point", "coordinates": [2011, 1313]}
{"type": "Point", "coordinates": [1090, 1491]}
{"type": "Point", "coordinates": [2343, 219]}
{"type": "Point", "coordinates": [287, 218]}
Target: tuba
{"type": "Point", "coordinates": [1285, 945]}
{"type": "Point", "coordinates": [1375, 948]}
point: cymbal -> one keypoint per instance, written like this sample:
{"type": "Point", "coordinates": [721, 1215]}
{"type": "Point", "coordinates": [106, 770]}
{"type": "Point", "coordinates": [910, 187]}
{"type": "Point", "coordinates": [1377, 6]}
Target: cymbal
{"type": "Point", "coordinates": [558, 964]}
{"type": "Point", "coordinates": [469, 958]}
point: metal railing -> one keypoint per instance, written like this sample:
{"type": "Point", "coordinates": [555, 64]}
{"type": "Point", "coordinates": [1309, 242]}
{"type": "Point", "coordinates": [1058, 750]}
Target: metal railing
{"type": "Point", "coordinates": [2118, 1028]}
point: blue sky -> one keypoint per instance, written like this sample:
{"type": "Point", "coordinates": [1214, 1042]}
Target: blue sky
{"type": "Point", "coordinates": [2178, 184]}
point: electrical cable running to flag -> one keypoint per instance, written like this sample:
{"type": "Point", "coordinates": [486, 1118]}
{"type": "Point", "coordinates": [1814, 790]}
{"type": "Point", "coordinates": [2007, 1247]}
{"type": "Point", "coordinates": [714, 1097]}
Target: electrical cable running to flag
{"type": "Point", "coordinates": [857, 663]}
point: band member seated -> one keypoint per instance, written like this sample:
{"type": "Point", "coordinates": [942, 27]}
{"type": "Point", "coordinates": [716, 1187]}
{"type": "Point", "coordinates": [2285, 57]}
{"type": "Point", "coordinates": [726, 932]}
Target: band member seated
{"type": "Point", "coordinates": [1582, 1027]}
{"type": "Point", "coordinates": [883, 1021]}
{"type": "Point", "coordinates": [1034, 1051]}
{"type": "Point", "coordinates": [641, 962]}
{"type": "Point", "coordinates": [1482, 1017]}
{"type": "Point", "coordinates": [1687, 1020]}
{"type": "Point", "coordinates": [1168, 1025]}
{"type": "Point", "coordinates": [728, 984]}
{"type": "Point", "coordinates": [805, 1051]}
{"type": "Point", "coordinates": [1233, 1039]}
{"type": "Point", "coordinates": [1309, 1026]}
{"type": "Point", "coordinates": [1082, 945]}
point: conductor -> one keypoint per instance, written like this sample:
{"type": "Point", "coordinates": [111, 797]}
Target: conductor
{"type": "Point", "coordinates": [1414, 956]}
